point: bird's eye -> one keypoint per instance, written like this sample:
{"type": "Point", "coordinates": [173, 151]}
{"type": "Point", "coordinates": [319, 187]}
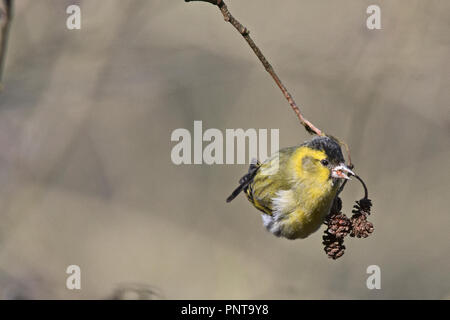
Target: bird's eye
{"type": "Point", "coordinates": [324, 162]}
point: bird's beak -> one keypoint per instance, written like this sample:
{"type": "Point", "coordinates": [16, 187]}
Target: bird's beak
{"type": "Point", "coordinates": [342, 172]}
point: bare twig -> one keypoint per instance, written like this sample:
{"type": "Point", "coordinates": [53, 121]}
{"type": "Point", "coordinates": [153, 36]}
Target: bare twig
{"type": "Point", "coordinates": [5, 22]}
{"type": "Point", "coordinates": [246, 34]}
{"type": "Point", "coordinates": [366, 193]}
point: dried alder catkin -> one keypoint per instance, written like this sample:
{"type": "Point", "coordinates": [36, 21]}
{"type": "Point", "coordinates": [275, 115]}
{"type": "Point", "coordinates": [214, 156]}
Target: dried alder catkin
{"type": "Point", "coordinates": [339, 226]}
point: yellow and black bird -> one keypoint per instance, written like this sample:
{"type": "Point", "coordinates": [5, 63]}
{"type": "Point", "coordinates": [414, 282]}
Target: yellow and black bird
{"type": "Point", "coordinates": [295, 187]}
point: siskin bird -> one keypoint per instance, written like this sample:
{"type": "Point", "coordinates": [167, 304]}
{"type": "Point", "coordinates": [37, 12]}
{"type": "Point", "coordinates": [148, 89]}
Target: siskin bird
{"type": "Point", "coordinates": [295, 187]}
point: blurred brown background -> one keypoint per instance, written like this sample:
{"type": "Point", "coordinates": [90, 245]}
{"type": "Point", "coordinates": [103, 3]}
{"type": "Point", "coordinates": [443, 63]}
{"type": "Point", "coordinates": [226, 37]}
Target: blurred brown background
{"type": "Point", "coordinates": [85, 122]}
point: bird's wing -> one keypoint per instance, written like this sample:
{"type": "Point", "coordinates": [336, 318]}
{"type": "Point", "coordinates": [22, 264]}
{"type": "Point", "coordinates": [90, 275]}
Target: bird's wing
{"type": "Point", "coordinates": [271, 179]}
{"type": "Point", "coordinates": [245, 180]}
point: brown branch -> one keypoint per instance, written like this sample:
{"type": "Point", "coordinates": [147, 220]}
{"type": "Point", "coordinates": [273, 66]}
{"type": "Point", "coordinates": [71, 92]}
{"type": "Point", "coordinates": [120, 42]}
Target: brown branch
{"type": "Point", "coordinates": [246, 34]}
{"type": "Point", "coordinates": [5, 22]}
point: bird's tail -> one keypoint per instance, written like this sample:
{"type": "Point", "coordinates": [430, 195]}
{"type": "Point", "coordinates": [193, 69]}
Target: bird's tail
{"type": "Point", "coordinates": [245, 180]}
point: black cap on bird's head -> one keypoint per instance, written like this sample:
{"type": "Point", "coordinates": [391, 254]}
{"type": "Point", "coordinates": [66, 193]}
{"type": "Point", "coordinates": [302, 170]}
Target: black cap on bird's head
{"type": "Point", "coordinates": [333, 151]}
{"type": "Point", "coordinates": [328, 145]}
